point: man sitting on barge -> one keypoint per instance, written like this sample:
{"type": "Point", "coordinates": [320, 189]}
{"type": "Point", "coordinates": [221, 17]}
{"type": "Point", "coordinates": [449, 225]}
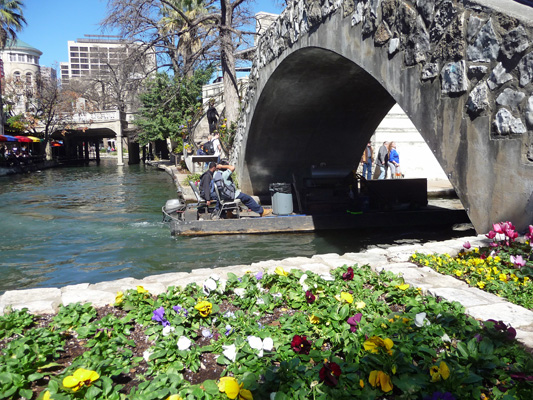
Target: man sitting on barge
{"type": "Point", "coordinates": [223, 177]}
{"type": "Point", "coordinates": [206, 190]}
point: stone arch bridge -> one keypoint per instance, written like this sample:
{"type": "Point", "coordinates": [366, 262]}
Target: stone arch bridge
{"type": "Point", "coordinates": [327, 72]}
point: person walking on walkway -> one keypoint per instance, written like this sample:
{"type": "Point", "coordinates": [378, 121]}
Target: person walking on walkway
{"type": "Point", "coordinates": [368, 156]}
{"type": "Point", "coordinates": [382, 160]}
{"type": "Point", "coordinates": [394, 161]}
{"type": "Point", "coordinates": [212, 117]}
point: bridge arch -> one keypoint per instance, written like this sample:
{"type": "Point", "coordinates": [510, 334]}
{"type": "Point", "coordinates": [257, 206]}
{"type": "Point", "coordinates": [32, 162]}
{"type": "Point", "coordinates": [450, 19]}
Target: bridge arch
{"type": "Point", "coordinates": [327, 72]}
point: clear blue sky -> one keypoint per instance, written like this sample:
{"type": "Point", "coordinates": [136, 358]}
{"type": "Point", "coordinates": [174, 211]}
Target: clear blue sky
{"type": "Point", "coordinates": [51, 23]}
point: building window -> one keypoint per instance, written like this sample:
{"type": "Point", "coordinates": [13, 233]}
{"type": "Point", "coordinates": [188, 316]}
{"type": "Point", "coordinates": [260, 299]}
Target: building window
{"type": "Point", "coordinates": [28, 78]}
{"type": "Point", "coordinates": [21, 57]}
{"type": "Point", "coordinates": [73, 48]}
{"type": "Point", "coordinates": [12, 57]}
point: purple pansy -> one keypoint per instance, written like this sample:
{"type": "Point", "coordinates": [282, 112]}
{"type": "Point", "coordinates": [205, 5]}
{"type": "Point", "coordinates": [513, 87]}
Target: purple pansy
{"type": "Point", "coordinates": [259, 275]}
{"type": "Point", "coordinates": [354, 321]}
{"type": "Point", "coordinates": [180, 310]}
{"type": "Point", "coordinates": [159, 316]}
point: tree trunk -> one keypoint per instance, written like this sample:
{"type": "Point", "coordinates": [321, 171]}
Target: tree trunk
{"type": "Point", "coordinates": [48, 150]}
{"type": "Point", "coordinates": [227, 61]}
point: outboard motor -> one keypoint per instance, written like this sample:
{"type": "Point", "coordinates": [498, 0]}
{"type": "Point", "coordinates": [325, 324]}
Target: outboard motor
{"type": "Point", "coordinates": [174, 208]}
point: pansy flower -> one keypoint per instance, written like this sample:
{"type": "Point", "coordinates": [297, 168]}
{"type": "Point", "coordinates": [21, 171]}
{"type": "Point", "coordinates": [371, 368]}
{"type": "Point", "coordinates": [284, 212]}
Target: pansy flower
{"type": "Point", "coordinates": [344, 296]}
{"type": "Point", "coordinates": [119, 298]}
{"type": "Point", "coordinates": [257, 343]}
{"type": "Point", "coordinates": [230, 352]}
{"type": "Point", "coordinates": [180, 310]}
{"type": "Point", "coordinates": [440, 372]}
{"type": "Point", "coordinates": [174, 397]}
{"type": "Point", "coordinates": [158, 316]}
{"type": "Point", "coordinates": [82, 377]}
{"type": "Point", "coordinates": [348, 275]}
{"type": "Point", "coordinates": [300, 344]}
{"type": "Point", "coordinates": [314, 319]}
{"type": "Point", "coordinates": [281, 272]}
{"type": "Point", "coordinates": [184, 343]}
{"type": "Point", "coordinates": [204, 308]}
{"type": "Point", "coordinates": [330, 373]}
{"type": "Point", "coordinates": [375, 342]}
{"type": "Point", "coordinates": [354, 321]}
{"type": "Point", "coordinates": [380, 379]}
{"type": "Point", "coordinates": [231, 387]}
{"type": "Point", "coordinates": [310, 297]}
{"type": "Point", "coordinates": [141, 289]}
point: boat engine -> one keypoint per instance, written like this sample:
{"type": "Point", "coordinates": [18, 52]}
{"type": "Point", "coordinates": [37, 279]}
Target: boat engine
{"type": "Point", "coordinates": [174, 208]}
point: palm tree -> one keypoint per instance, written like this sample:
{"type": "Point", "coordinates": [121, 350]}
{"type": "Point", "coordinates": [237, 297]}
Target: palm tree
{"type": "Point", "coordinates": [11, 22]}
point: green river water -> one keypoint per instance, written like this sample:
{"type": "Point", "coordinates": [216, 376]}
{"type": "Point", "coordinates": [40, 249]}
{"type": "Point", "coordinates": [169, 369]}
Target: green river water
{"type": "Point", "coordinates": [66, 226]}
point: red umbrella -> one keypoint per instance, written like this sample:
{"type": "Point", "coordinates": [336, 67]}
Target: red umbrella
{"type": "Point", "coordinates": [23, 139]}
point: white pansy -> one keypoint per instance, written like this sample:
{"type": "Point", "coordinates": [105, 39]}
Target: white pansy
{"type": "Point", "coordinates": [147, 354]}
{"type": "Point", "coordinates": [209, 286]}
{"type": "Point", "coordinates": [327, 277]}
{"type": "Point", "coordinates": [260, 301]}
{"type": "Point", "coordinates": [302, 282]}
{"type": "Point", "coordinates": [230, 352]}
{"type": "Point", "coordinates": [446, 338]}
{"type": "Point", "coordinates": [257, 343]}
{"type": "Point", "coordinates": [167, 329]}
{"type": "Point", "coordinates": [260, 288]}
{"type": "Point", "coordinates": [222, 285]}
{"type": "Point", "coordinates": [278, 295]}
{"type": "Point", "coordinates": [184, 343]}
{"type": "Point", "coordinates": [215, 277]}
{"type": "Point", "coordinates": [421, 320]}
{"type": "Point", "coordinates": [241, 292]}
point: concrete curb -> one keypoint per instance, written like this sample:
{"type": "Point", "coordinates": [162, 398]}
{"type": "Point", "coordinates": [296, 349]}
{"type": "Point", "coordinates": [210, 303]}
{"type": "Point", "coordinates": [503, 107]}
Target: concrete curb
{"type": "Point", "coordinates": [478, 304]}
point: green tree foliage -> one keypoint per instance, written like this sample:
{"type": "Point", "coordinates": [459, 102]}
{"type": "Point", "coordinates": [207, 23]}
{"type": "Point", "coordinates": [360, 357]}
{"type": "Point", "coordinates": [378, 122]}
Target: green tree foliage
{"type": "Point", "coordinates": [11, 20]}
{"type": "Point", "coordinates": [168, 104]}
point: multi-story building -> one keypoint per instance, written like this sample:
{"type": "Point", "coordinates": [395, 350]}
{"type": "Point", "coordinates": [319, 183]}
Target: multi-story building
{"type": "Point", "coordinates": [21, 74]}
{"type": "Point", "coordinates": [102, 58]}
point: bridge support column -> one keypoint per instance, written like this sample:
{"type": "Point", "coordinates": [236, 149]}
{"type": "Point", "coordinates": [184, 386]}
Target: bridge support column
{"type": "Point", "coordinates": [133, 152]}
{"type": "Point", "coordinates": [120, 156]}
{"type": "Point", "coordinates": [86, 148]}
{"type": "Point", "coordinates": [97, 150]}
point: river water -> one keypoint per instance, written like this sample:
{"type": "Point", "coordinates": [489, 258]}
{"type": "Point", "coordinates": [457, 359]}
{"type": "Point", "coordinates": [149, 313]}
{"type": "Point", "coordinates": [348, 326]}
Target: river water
{"type": "Point", "coordinates": [66, 226]}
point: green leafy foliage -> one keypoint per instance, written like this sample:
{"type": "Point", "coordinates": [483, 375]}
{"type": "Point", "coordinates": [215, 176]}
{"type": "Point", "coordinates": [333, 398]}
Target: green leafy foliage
{"type": "Point", "coordinates": [419, 344]}
{"type": "Point", "coordinates": [169, 105]}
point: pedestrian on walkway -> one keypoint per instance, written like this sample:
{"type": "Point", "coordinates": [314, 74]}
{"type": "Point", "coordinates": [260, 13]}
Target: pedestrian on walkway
{"type": "Point", "coordinates": [366, 160]}
{"type": "Point", "coordinates": [394, 161]}
{"type": "Point", "coordinates": [382, 160]}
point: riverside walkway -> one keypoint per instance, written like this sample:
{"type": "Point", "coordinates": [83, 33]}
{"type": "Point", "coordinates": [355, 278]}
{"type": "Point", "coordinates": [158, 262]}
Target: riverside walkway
{"type": "Point", "coordinates": [478, 304]}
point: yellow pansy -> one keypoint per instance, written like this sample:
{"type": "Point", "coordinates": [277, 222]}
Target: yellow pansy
{"type": "Point", "coordinates": [440, 372]}
{"type": "Point", "coordinates": [361, 383]}
{"type": "Point", "coordinates": [345, 296]}
{"type": "Point", "coordinates": [175, 397]}
{"type": "Point", "coordinates": [381, 379]}
{"type": "Point", "coordinates": [403, 287]}
{"type": "Point", "coordinates": [119, 298]}
{"type": "Point", "coordinates": [245, 394]}
{"type": "Point", "coordinates": [314, 319]}
{"type": "Point", "coordinates": [230, 386]}
{"type": "Point", "coordinates": [141, 289]}
{"type": "Point", "coordinates": [360, 304]}
{"type": "Point", "coordinates": [46, 396]}
{"type": "Point", "coordinates": [375, 342]}
{"type": "Point", "coordinates": [204, 308]}
{"type": "Point", "coordinates": [82, 377]}
{"type": "Point", "coordinates": [280, 271]}
{"type": "Point", "coordinates": [481, 284]}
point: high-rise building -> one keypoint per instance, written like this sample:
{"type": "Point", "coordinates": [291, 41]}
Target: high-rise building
{"type": "Point", "coordinates": [95, 55]}
{"type": "Point", "coordinates": [103, 58]}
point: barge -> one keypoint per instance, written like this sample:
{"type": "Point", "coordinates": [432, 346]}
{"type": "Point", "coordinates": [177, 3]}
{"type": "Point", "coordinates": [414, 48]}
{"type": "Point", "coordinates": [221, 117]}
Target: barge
{"type": "Point", "coordinates": [322, 204]}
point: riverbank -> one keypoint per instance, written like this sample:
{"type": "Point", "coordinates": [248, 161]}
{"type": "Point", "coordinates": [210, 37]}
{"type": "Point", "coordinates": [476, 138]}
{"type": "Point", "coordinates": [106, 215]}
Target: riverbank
{"type": "Point", "coordinates": [477, 303]}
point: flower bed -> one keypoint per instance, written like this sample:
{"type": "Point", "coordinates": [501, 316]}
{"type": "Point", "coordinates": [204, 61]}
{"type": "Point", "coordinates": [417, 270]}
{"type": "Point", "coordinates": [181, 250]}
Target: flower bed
{"type": "Point", "coordinates": [287, 335]}
{"type": "Point", "coordinates": [504, 267]}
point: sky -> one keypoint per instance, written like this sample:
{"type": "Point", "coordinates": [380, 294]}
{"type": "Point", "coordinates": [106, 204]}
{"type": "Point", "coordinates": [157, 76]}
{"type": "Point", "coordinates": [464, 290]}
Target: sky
{"type": "Point", "coordinates": [52, 23]}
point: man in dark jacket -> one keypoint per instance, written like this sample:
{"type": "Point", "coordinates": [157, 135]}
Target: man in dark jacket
{"type": "Point", "coordinates": [382, 159]}
{"type": "Point", "coordinates": [205, 184]}
{"type": "Point", "coordinates": [212, 117]}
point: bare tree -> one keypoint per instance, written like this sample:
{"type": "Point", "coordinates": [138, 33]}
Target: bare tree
{"type": "Point", "coordinates": [212, 34]}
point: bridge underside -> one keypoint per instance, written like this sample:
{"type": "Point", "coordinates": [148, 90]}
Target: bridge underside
{"type": "Point", "coordinates": [317, 107]}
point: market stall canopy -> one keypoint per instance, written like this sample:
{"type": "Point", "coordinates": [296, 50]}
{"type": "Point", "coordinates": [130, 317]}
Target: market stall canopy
{"type": "Point", "coordinates": [34, 139]}
{"type": "Point", "coordinates": [7, 138]}
{"type": "Point", "coordinates": [56, 143]}
{"type": "Point", "coordinates": [23, 139]}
